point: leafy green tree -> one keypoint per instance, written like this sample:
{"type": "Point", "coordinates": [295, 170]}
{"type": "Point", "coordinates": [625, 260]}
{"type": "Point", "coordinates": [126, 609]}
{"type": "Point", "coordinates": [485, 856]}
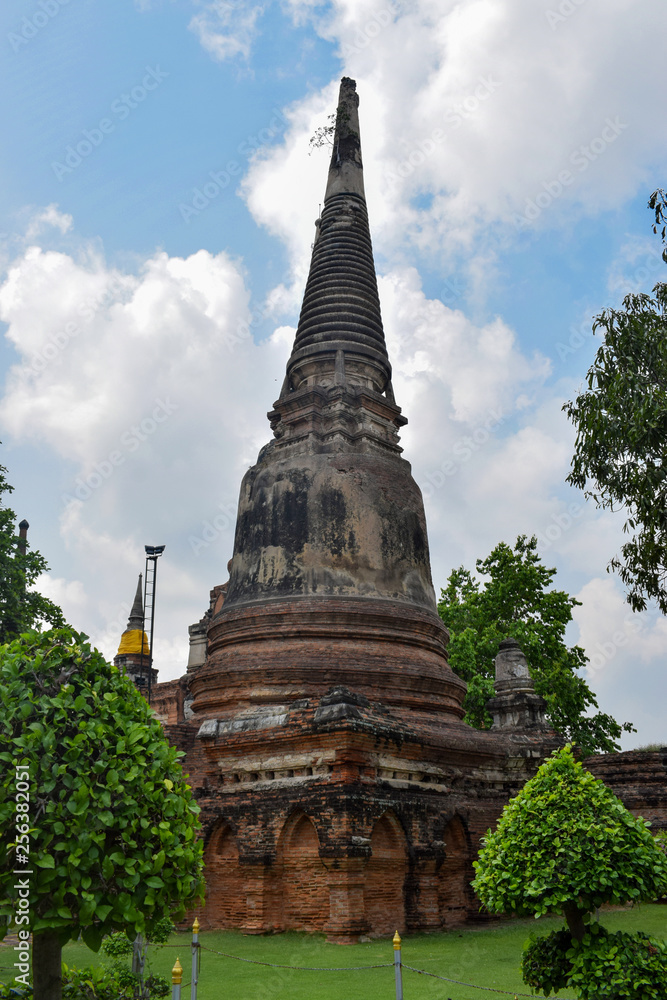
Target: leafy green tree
{"type": "Point", "coordinates": [567, 843]}
{"type": "Point", "coordinates": [621, 422]}
{"type": "Point", "coordinates": [514, 601]}
{"type": "Point", "coordinates": [109, 827]}
{"type": "Point", "coordinates": [21, 607]}
{"type": "Point", "coordinates": [658, 204]}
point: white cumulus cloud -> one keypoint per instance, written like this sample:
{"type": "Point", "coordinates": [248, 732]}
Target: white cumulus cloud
{"type": "Point", "coordinates": [226, 28]}
{"type": "Point", "coordinates": [152, 392]}
{"type": "Point", "coordinates": [479, 119]}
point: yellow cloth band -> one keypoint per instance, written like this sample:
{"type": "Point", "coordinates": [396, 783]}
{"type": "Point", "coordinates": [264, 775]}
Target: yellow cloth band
{"type": "Point", "coordinates": [130, 642]}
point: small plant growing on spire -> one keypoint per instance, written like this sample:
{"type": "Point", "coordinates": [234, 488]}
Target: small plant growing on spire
{"type": "Point", "coordinates": [324, 135]}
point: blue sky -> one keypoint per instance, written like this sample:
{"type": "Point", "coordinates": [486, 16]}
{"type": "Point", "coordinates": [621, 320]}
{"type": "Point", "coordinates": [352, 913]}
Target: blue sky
{"type": "Point", "coordinates": [157, 205]}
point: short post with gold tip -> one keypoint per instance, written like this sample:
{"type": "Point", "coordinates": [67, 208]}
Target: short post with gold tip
{"type": "Point", "coordinates": [397, 966]}
{"type": "Point", "coordinates": [195, 960]}
{"type": "Point", "coordinates": [176, 980]}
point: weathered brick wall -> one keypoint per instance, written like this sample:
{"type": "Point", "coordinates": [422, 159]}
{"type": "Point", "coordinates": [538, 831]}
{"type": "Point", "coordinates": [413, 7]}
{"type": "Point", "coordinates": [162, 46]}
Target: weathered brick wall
{"type": "Point", "coordinates": [363, 838]}
{"type": "Point", "coordinates": [639, 778]}
{"type": "Point", "coordinates": [385, 875]}
{"type": "Point", "coordinates": [455, 897]}
{"type": "Point", "coordinates": [293, 649]}
{"type": "Point", "coordinates": [225, 884]}
{"type": "Point", "coordinates": [338, 815]}
{"type": "Point", "coordinates": [302, 876]}
{"type": "Point", "coordinates": [346, 818]}
{"type": "Point", "coordinates": [167, 700]}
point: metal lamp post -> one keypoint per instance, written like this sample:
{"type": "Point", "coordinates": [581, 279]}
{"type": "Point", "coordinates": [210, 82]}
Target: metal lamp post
{"type": "Point", "coordinates": [153, 553]}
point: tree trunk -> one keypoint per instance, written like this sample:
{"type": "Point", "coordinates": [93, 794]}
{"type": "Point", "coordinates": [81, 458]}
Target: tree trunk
{"type": "Point", "coordinates": [138, 961]}
{"type": "Point", "coordinates": [575, 921]}
{"type": "Point", "coordinates": [47, 966]}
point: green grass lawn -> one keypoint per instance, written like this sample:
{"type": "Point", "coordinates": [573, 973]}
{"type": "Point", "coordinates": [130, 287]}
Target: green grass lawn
{"type": "Point", "coordinates": [487, 956]}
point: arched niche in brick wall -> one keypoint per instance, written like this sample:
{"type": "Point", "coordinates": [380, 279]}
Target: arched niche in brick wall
{"type": "Point", "coordinates": [456, 873]}
{"type": "Point", "coordinates": [384, 887]}
{"type": "Point", "coordinates": [302, 893]}
{"type": "Point", "coordinates": [225, 891]}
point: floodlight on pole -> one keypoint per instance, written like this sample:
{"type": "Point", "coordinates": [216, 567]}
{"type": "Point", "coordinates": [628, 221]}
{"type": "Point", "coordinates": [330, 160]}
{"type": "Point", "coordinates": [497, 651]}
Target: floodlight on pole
{"type": "Point", "coordinates": [153, 553]}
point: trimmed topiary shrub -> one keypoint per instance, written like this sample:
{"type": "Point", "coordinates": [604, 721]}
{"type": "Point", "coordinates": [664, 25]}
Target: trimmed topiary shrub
{"type": "Point", "coordinates": [545, 965]}
{"type": "Point", "coordinates": [567, 843]}
{"type": "Point", "coordinates": [618, 966]}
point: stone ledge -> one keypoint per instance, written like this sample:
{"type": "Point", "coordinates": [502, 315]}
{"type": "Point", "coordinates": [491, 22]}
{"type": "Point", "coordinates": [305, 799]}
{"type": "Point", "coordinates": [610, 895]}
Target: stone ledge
{"type": "Point", "coordinates": [218, 727]}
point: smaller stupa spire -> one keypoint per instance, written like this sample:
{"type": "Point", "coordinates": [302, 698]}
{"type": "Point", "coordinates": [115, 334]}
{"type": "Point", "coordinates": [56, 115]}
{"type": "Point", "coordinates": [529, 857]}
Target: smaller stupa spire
{"type": "Point", "coordinates": [136, 619]}
{"type": "Point", "coordinates": [133, 639]}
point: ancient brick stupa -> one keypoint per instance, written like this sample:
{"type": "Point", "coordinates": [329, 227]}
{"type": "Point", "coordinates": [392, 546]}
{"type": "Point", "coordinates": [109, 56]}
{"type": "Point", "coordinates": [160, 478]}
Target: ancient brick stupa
{"type": "Point", "coordinates": [330, 581]}
{"type": "Point", "coordinates": [341, 792]}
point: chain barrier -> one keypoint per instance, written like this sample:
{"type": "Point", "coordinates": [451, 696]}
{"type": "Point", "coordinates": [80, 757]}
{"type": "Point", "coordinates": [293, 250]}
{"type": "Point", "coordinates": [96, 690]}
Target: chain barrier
{"type": "Point", "coordinates": [300, 968]}
{"type": "Point", "coordinates": [397, 964]}
{"type": "Point", "coordinates": [471, 986]}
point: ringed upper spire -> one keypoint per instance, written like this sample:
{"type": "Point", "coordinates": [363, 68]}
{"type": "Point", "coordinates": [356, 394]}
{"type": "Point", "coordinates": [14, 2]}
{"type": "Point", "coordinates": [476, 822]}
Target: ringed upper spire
{"type": "Point", "coordinates": [340, 336]}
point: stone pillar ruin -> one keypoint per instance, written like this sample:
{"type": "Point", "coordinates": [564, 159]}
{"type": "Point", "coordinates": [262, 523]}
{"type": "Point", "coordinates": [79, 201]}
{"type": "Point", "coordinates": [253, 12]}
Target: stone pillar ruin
{"type": "Point", "coordinates": [516, 704]}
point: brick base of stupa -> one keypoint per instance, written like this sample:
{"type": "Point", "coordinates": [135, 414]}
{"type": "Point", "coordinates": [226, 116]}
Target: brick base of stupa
{"type": "Point", "coordinates": [337, 817]}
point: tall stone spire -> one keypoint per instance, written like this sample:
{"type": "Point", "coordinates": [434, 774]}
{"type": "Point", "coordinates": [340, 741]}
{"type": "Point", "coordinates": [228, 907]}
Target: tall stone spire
{"type": "Point", "coordinates": [340, 336]}
{"type": "Point", "coordinates": [330, 582]}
